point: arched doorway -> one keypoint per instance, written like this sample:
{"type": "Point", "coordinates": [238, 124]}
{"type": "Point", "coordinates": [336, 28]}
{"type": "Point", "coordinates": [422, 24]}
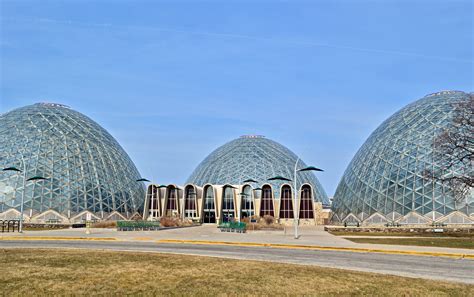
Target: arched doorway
{"type": "Point", "coordinates": [153, 202]}
{"type": "Point", "coordinates": [228, 209]}
{"type": "Point", "coordinates": [266, 202]}
{"type": "Point", "coordinates": [247, 207]}
{"type": "Point", "coordinates": [190, 202]}
{"type": "Point", "coordinates": [306, 203]}
{"type": "Point", "coordinates": [171, 201]}
{"type": "Point", "coordinates": [286, 204]}
{"type": "Point", "coordinates": [209, 209]}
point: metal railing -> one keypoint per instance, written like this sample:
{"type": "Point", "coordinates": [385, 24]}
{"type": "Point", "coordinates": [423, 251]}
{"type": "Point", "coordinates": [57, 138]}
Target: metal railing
{"type": "Point", "coordinates": [137, 226]}
{"type": "Point", "coordinates": [10, 225]}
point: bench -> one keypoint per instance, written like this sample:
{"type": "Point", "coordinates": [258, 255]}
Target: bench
{"type": "Point", "coordinates": [239, 227]}
{"type": "Point", "coordinates": [351, 224]}
{"type": "Point", "coordinates": [393, 224]}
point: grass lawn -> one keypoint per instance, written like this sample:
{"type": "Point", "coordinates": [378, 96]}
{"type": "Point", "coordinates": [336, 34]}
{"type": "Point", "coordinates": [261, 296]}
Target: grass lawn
{"type": "Point", "coordinates": [78, 272]}
{"type": "Point", "coordinates": [458, 242]}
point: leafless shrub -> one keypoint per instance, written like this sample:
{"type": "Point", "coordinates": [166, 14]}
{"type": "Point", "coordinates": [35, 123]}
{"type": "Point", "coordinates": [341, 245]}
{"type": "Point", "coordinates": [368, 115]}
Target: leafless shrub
{"type": "Point", "coordinates": [174, 222]}
{"type": "Point", "coordinates": [105, 224]}
{"type": "Point", "coordinates": [268, 219]}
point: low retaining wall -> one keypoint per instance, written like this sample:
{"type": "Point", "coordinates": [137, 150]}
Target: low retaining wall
{"type": "Point", "coordinates": [51, 226]}
{"type": "Point", "coordinates": [403, 229]}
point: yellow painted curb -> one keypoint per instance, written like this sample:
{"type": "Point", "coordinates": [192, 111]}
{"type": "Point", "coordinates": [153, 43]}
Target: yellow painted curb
{"type": "Point", "coordinates": [321, 248]}
{"type": "Point", "coordinates": [56, 238]}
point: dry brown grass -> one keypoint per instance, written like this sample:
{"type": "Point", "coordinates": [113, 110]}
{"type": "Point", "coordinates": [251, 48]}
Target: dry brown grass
{"type": "Point", "coordinates": [75, 272]}
{"type": "Point", "coordinates": [105, 224]}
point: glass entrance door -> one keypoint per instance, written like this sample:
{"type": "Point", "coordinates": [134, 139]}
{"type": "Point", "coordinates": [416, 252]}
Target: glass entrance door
{"type": "Point", "coordinates": [209, 215]}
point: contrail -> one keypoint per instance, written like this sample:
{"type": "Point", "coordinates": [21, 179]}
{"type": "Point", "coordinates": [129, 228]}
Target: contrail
{"type": "Point", "coordinates": [239, 36]}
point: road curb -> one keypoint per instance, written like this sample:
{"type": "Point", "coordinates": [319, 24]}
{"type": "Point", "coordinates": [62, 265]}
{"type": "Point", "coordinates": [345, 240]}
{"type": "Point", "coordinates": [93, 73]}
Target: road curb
{"type": "Point", "coordinates": [321, 248]}
{"type": "Point", "coordinates": [40, 238]}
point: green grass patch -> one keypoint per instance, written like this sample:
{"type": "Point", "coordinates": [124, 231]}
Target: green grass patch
{"type": "Point", "coordinates": [81, 272]}
{"type": "Point", "coordinates": [458, 242]}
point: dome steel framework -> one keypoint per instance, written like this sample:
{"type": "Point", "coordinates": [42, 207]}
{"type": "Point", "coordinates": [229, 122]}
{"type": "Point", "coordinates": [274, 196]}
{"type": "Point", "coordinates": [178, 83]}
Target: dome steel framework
{"type": "Point", "coordinates": [254, 157]}
{"type": "Point", "coordinates": [86, 170]}
{"type": "Point", "coordinates": [386, 179]}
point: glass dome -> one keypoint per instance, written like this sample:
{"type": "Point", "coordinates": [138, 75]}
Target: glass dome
{"type": "Point", "coordinates": [84, 166]}
{"type": "Point", "coordinates": [385, 180]}
{"type": "Point", "coordinates": [253, 157]}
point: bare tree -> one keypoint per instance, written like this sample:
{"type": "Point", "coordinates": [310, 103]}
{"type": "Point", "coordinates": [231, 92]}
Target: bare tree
{"type": "Point", "coordinates": [454, 151]}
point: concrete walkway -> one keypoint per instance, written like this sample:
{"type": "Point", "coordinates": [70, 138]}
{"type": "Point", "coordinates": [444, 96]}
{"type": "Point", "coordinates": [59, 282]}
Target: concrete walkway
{"type": "Point", "coordinates": [309, 236]}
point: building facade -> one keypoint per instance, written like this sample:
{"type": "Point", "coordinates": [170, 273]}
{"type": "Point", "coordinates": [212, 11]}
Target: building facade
{"type": "Point", "coordinates": [213, 204]}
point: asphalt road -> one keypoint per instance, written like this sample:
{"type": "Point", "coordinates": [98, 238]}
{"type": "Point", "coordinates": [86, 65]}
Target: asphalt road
{"type": "Point", "coordinates": [436, 268]}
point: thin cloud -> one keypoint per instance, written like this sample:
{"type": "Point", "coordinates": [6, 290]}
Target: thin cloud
{"type": "Point", "coordinates": [240, 36]}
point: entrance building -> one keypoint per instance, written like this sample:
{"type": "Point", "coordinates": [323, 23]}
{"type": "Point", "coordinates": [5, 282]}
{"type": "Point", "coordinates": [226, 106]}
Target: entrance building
{"type": "Point", "coordinates": [213, 204]}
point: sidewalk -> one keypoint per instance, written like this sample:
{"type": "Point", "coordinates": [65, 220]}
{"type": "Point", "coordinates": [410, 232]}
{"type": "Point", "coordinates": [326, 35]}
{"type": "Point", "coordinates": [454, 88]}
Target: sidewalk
{"type": "Point", "coordinates": [309, 236]}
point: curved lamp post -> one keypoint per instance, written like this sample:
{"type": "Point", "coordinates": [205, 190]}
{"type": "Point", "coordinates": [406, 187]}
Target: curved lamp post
{"type": "Point", "coordinates": [144, 180]}
{"type": "Point", "coordinates": [249, 181]}
{"type": "Point", "coordinates": [295, 202]}
{"type": "Point", "coordinates": [242, 195]}
{"type": "Point", "coordinates": [33, 179]}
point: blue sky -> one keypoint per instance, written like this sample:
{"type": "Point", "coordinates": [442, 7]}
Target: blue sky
{"type": "Point", "coordinates": [173, 80]}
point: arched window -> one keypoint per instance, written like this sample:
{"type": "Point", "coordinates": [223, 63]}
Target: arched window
{"type": "Point", "coordinates": [306, 204]}
{"type": "Point", "coordinates": [171, 201]}
{"type": "Point", "coordinates": [153, 202]}
{"type": "Point", "coordinates": [209, 209]}
{"type": "Point", "coordinates": [247, 202]}
{"type": "Point", "coordinates": [190, 203]}
{"type": "Point", "coordinates": [286, 204]}
{"type": "Point", "coordinates": [228, 211]}
{"type": "Point", "coordinates": [266, 203]}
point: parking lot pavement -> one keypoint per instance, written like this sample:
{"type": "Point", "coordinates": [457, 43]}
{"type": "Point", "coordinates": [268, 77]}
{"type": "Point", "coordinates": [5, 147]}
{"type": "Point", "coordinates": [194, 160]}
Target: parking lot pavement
{"type": "Point", "coordinates": [309, 235]}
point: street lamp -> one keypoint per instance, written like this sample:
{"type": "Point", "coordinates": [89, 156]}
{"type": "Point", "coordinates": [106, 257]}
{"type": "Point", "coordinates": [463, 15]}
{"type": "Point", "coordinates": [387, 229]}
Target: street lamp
{"type": "Point", "coordinates": [34, 179]}
{"type": "Point", "coordinates": [295, 202]}
{"type": "Point", "coordinates": [249, 181]}
{"type": "Point", "coordinates": [143, 180]}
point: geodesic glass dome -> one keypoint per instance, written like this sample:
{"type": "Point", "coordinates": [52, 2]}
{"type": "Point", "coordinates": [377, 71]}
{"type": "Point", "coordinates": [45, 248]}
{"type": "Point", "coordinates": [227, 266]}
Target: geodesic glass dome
{"type": "Point", "coordinates": [84, 167]}
{"type": "Point", "coordinates": [386, 179]}
{"type": "Point", "coordinates": [257, 158]}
